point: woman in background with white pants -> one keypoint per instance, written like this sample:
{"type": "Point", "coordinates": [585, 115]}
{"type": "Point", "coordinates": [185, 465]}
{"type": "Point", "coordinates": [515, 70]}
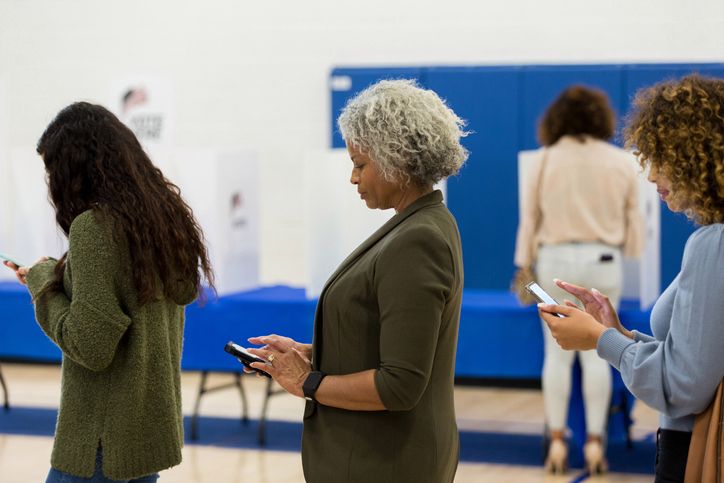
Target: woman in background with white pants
{"type": "Point", "coordinates": [579, 218]}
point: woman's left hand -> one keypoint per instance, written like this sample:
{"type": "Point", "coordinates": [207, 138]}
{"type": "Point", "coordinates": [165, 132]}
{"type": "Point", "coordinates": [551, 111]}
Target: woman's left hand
{"type": "Point", "coordinates": [289, 369]}
{"type": "Point", "coordinates": [576, 331]}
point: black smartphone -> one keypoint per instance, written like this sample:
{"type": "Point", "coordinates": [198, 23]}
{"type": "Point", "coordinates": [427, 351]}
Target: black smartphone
{"type": "Point", "coordinates": [245, 357]}
{"type": "Point", "coordinates": [542, 296]}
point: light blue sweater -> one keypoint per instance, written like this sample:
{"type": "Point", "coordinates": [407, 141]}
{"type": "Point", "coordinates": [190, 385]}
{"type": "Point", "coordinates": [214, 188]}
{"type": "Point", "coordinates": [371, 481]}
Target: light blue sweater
{"type": "Point", "coordinates": [677, 371]}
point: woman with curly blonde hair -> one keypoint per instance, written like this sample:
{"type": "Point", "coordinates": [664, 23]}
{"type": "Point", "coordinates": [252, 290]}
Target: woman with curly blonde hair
{"type": "Point", "coordinates": [677, 130]}
{"type": "Point", "coordinates": [378, 377]}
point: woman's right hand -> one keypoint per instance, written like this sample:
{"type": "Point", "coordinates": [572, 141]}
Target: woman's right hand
{"type": "Point", "coordinates": [22, 272]}
{"type": "Point", "coordinates": [281, 344]}
{"type": "Point", "coordinates": [596, 304]}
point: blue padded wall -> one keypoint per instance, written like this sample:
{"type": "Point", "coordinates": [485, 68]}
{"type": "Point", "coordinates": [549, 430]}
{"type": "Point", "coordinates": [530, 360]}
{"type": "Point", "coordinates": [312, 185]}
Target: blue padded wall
{"type": "Point", "coordinates": [361, 78]}
{"type": "Point", "coordinates": [484, 197]}
{"type": "Point", "coordinates": [502, 105]}
{"type": "Point", "coordinates": [542, 84]}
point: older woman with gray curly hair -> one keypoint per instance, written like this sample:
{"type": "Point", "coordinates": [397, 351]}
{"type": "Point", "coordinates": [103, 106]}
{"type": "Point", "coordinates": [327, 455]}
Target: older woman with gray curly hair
{"type": "Point", "coordinates": [378, 377]}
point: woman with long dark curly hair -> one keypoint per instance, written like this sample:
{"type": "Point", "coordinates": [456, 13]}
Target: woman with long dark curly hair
{"type": "Point", "coordinates": [114, 303]}
{"type": "Point", "coordinates": [677, 129]}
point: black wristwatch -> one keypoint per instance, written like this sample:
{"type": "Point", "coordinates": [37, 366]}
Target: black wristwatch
{"type": "Point", "coordinates": [311, 384]}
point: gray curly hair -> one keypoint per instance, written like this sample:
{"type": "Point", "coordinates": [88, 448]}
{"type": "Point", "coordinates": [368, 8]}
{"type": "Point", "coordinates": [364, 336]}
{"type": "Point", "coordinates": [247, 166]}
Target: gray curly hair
{"type": "Point", "coordinates": [410, 133]}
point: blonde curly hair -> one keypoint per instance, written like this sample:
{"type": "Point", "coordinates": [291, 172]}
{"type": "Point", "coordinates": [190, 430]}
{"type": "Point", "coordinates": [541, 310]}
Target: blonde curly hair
{"type": "Point", "coordinates": [410, 133]}
{"type": "Point", "coordinates": [678, 127]}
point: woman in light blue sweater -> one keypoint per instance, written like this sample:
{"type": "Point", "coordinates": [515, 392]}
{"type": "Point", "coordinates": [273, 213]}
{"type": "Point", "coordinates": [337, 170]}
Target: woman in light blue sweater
{"type": "Point", "coordinates": [677, 129]}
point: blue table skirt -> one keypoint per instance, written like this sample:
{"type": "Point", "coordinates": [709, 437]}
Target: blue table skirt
{"type": "Point", "coordinates": [498, 338]}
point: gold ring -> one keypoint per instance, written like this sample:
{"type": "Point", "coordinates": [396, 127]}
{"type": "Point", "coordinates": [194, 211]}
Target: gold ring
{"type": "Point", "coordinates": [271, 358]}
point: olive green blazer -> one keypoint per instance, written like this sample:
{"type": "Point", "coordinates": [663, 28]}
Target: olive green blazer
{"type": "Point", "coordinates": [394, 306]}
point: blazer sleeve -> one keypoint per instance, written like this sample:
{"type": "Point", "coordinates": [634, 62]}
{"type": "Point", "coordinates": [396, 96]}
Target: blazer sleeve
{"type": "Point", "coordinates": [414, 276]}
{"type": "Point", "coordinates": [88, 326]}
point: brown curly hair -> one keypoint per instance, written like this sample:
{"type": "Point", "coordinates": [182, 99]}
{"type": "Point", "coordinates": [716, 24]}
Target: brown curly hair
{"type": "Point", "coordinates": [577, 111]}
{"type": "Point", "coordinates": [678, 127]}
{"type": "Point", "coordinates": [93, 161]}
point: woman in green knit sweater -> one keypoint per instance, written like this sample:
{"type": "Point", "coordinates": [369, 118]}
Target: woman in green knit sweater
{"type": "Point", "coordinates": [114, 303]}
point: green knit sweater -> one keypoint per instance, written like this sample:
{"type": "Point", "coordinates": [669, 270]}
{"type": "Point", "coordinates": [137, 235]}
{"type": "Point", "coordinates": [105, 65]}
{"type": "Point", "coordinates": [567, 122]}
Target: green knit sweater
{"type": "Point", "coordinates": [121, 361]}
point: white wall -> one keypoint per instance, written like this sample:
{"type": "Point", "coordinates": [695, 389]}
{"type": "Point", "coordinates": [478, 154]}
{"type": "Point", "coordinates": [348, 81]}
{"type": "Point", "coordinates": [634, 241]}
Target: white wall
{"type": "Point", "coordinates": [252, 75]}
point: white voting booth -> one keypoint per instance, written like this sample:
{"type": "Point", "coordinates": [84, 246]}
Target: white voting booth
{"type": "Point", "coordinates": [641, 276]}
{"type": "Point", "coordinates": [337, 219]}
{"type": "Point", "coordinates": [5, 190]}
{"type": "Point", "coordinates": [31, 228]}
{"type": "Point", "coordinates": [222, 188]}
{"type": "Point", "coordinates": [27, 220]}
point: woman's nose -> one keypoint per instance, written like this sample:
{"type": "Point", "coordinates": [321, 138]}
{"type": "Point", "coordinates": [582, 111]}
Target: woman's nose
{"type": "Point", "coordinates": [652, 174]}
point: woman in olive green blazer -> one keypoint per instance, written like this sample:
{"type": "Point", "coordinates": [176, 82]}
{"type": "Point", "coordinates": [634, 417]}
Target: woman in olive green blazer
{"type": "Point", "coordinates": [379, 374]}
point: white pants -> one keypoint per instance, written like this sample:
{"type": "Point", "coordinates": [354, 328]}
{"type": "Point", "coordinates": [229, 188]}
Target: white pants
{"type": "Point", "coordinates": [591, 265]}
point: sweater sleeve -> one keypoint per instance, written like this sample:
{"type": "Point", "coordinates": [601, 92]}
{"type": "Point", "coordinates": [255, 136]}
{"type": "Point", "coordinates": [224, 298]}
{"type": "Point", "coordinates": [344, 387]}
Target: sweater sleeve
{"type": "Point", "coordinates": [414, 278]}
{"type": "Point", "coordinates": [641, 337]}
{"type": "Point", "coordinates": [679, 374]}
{"type": "Point", "coordinates": [87, 326]}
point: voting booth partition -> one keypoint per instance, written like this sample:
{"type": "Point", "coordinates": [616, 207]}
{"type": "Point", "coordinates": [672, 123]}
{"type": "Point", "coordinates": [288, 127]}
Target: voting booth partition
{"type": "Point", "coordinates": [4, 201]}
{"type": "Point", "coordinates": [29, 230]}
{"type": "Point", "coordinates": [222, 188]}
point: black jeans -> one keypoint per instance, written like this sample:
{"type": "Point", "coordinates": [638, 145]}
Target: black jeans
{"type": "Point", "coordinates": [672, 450]}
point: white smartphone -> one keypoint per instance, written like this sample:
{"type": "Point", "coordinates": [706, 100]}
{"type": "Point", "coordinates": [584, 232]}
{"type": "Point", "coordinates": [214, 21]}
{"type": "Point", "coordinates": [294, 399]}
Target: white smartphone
{"type": "Point", "coordinates": [542, 296]}
{"type": "Point", "coordinates": [11, 260]}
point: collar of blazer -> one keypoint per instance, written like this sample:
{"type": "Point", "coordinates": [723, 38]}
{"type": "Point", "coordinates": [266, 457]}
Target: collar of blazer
{"type": "Point", "coordinates": [424, 201]}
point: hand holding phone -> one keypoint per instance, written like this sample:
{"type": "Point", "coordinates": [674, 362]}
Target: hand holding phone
{"type": "Point", "coordinates": [12, 260]}
{"type": "Point", "coordinates": [541, 295]}
{"type": "Point", "coordinates": [245, 357]}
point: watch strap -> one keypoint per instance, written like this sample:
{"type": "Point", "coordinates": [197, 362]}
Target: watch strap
{"type": "Point", "coordinates": [311, 384]}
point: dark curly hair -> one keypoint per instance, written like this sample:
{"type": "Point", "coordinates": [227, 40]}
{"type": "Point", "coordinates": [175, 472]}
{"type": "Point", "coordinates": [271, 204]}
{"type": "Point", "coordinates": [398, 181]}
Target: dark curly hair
{"type": "Point", "coordinates": [93, 161]}
{"type": "Point", "coordinates": [678, 127]}
{"type": "Point", "coordinates": [577, 111]}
